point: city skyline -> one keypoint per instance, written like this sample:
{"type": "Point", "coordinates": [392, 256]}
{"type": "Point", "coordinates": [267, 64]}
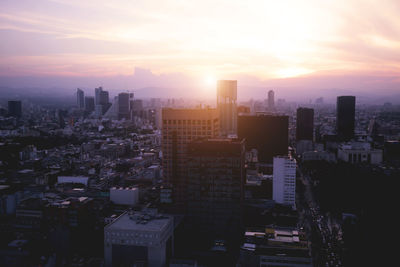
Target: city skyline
{"type": "Point", "coordinates": [303, 45]}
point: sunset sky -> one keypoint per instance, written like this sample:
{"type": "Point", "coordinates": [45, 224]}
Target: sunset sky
{"type": "Point", "coordinates": [204, 40]}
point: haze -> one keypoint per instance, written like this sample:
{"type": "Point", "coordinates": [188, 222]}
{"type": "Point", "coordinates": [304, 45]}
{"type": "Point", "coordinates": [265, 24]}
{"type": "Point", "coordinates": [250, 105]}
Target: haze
{"type": "Point", "coordinates": [189, 44]}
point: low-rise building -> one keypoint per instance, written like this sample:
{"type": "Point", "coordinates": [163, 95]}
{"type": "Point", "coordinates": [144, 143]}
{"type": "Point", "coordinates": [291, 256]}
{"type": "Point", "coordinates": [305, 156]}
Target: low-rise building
{"type": "Point", "coordinates": [138, 238]}
{"type": "Point", "coordinates": [357, 152]}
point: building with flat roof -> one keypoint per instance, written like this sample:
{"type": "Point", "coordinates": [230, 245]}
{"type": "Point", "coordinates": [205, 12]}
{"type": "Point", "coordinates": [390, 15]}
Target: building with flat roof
{"type": "Point", "coordinates": [275, 246]}
{"type": "Point", "coordinates": [345, 117]}
{"type": "Point", "coordinates": [284, 180]}
{"type": "Point", "coordinates": [268, 134]}
{"type": "Point", "coordinates": [124, 196]}
{"type": "Point", "coordinates": [359, 152]}
{"type": "Point", "coordinates": [138, 238]}
{"type": "Point", "coordinates": [179, 128]}
{"type": "Point", "coordinates": [215, 186]}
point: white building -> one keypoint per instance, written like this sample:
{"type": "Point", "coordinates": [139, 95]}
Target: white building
{"type": "Point", "coordinates": [357, 152]}
{"type": "Point", "coordinates": [284, 180]}
{"type": "Point", "coordinates": [124, 196]}
{"type": "Point", "coordinates": [138, 238]}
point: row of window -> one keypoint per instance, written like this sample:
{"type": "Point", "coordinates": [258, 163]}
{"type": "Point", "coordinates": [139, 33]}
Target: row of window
{"type": "Point", "coordinates": [190, 122]}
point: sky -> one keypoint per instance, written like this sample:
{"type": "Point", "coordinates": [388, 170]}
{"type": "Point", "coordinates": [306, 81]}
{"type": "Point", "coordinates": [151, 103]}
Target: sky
{"type": "Point", "coordinates": [263, 43]}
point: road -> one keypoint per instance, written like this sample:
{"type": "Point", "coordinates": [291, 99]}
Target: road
{"type": "Point", "coordinates": [324, 232]}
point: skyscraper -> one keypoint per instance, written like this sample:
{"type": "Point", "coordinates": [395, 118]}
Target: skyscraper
{"type": "Point", "coordinates": [89, 103]}
{"type": "Point", "coordinates": [180, 127]}
{"type": "Point", "coordinates": [345, 117]}
{"type": "Point", "coordinates": [123, 106]}
{"type": "Point", "coordinates": [15, 108]}
{"type": "Point", "coordinates": [215, 186]}
{"type": "Point", "coordinates": [284, 180]}
{"type": "Point", "coordinates": [80, 98]}
{"type": "Point", "coordinates": [271, 99]}
{"type": "Point", "coordinates": [305, 124]}
{"type": "Point", "coordinates": [97, 95]}
{"type": "Point", "coordinates": [267, 133]}
{"type": "Point", "coordinates": [226, 105]}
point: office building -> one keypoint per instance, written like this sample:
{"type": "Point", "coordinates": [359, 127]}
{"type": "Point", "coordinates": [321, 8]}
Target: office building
{"type": "Point", "coordinates": [138, 239]}
{"type": "Point", "coordinates": [284, 180]}
{"type": "Point", "coordinates": [345, 117]}
{"type": "Point", "coordinates": [89, 103]}
{"type": "Point", "coordinates": [124, 196]}
{"type": "Point", "coordinates": [97, 92]}
{"type": "Point", "coordinates": [226, 105]}
{"type": "Point", "coordinates": [215, 186]}
{"type": "Point", "coordinates": [179, 128]}
{"type": "Point", "coordinates": [80, 98]}
{"type": "Point", "coordinates": [359, 152]}
{"type": "Point", "coordinates": [271, 100]}
{"type": "Point", "coordinates": [275, 246]}
{"type": "Point", "coordinates": [305, 124]}
{"type": "Point", "coordinates": [268, 134]}
{"type": "Point", "coordinates": [15, 108]}
{"type": "Point", "coordinates": [124, 106]}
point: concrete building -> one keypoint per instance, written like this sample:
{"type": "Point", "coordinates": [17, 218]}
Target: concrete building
{"type": "Point", "coordinates": [318, 155]}
{"type": "Point", "coordinates": [80, 98]}
{"type": "Point", "coordinates": [226, 105]}
{"type": "Point", "coordinates": [73, 179]}
{"type": "Point", "coordinates": [345, 117]}
{"type": "Point", "coordinates": [284, 180]}
{"type": "Point", "coordinates": [89, 103]}
{"type": "Point", "coordinates": [275, 246]}
{"type": "Point", "coordinates": [215, 186]}
{"type": "Point", "coordinates": [357, 152]}
{"type": "Point", "coordinates": [123, 106]}
{"type": "Point", "coordinates": [266, 133]}
{"type": "Point", "coordinates": [305, 124]}
{"type": "Point", "coordinates": [124, 196]}
{"type": "Point", "coordinates": [180, 127]}
{"type": "Point", "coordinates": [138, 238]}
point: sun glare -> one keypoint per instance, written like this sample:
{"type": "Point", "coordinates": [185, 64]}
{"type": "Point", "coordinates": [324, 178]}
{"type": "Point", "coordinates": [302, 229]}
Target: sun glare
{"type": "Point", "coordinates": [210, 80]}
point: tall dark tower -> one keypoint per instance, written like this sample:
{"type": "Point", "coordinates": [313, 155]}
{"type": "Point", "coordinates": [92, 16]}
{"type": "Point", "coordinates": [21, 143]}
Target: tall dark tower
{"type": "Point", "coordinates": [305, 124]}
{"type": "Point", "coordinates": [80, 98]}
{"type": "Point", "coordinates": [345, 116]}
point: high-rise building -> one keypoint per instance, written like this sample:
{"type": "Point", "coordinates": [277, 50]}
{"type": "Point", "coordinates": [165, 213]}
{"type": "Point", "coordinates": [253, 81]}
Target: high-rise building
{"type": "Point", "coordinates": [179, 128]}
{"type": "Point", "coordinates": [123, 106]}
{"type": "Point", "coordinates": [284, 180]}
{"type": "Point", "coordinates": [15, 108]}
{"type": "Point", "coordinates": [305, 124]}
{"type": "Point", "coordinates": [345, 117]}
{"type": "Point", "coordinates": [89, 103]}
{"type": "Point", "coordinates": [215, 186]}
{"type": "Point", "coordinates": [97, 92]}
{"type": "Point", "coordinates": [103, 98]}
{"type": "Point", "coordinates": [268, 134]}
{"type": "Point", "coordinates": [226, 105]}
{"type": "Point", "coordinates": [271, 99]}
{"type": "Point", "coordinates": [80, 98]}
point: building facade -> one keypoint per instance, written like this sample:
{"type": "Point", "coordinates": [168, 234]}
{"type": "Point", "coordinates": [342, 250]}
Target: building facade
{"type": "Point", "coordinates": [305, 124]}
{"type": "Point", "coordinates": [139, 238]}
{"type": "Point", "coordinates": [215, 186]}
{"type": "Point", "coordinates": [179, 128]}
{"type": "Point", "coordinates": [227, 106]}
{"type": "Point", "coordinates": [80, 98]}
{"type": "Point", "coordinates": [267, 133]}
{"type": "Point", "coordinates": [284, 180]}
{"type": "Point", "coordinates": [345, 117]}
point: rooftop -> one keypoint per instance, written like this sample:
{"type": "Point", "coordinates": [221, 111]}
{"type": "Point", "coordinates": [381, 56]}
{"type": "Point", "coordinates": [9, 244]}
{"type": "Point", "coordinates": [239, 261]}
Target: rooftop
{"type": "Point", "coordinates": [140, 221]}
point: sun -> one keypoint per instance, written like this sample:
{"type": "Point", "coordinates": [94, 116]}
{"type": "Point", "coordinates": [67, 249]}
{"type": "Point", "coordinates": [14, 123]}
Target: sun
{"type": "Point", "coordinates": [210, 80]}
